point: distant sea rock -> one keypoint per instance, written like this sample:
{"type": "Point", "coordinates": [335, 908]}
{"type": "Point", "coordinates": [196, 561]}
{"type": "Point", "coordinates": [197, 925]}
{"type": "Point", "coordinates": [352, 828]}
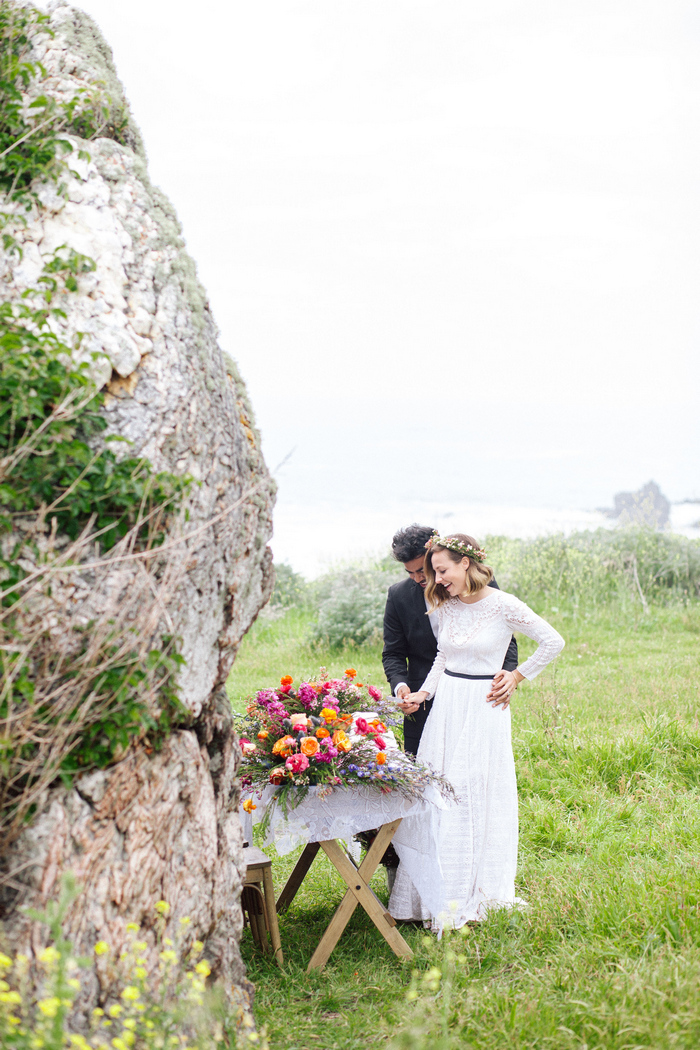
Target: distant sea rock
{"type": "Point", "coordinates": [647, 506]}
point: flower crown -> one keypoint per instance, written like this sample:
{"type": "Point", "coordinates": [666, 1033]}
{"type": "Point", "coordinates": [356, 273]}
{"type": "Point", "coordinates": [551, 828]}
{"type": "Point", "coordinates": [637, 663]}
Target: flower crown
{"type": "Point", "coordinates": [451, 543]}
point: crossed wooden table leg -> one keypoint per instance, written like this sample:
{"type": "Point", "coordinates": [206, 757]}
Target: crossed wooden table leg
{"type": "Point", "coordinates": [358, 892]}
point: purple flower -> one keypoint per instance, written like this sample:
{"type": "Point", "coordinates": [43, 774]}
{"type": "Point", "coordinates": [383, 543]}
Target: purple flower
{"type": "Point", "coordinates": [307, 696]}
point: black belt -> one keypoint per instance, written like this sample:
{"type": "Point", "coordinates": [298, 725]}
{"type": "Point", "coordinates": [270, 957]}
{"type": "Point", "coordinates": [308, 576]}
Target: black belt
{"type": "Point", "coordinates": [471, 677]}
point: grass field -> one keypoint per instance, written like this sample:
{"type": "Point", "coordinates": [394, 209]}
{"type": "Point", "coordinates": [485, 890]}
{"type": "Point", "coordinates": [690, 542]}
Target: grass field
{"type": "Point", "coordinates": [607, 747]}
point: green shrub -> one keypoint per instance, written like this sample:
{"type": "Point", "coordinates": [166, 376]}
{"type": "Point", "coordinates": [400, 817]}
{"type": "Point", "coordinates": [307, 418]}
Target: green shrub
{"type": "Point", "coordinates": [589, 569]}
{"type": "Point", "coordinates": [290, 590]}
{"type": "Point", "coordinates": [350, 606]}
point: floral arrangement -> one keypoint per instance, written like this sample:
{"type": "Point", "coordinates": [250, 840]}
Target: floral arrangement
{"type": "Point", "coordinates": [451, 543]}
{"type": "Point", "coordinates": [322, 733]}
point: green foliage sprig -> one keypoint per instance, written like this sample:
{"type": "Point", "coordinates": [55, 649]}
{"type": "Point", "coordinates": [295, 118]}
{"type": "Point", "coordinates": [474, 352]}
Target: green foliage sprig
{"type": "Point", "coordinates": [33, 142]}
{"type": "Point", "coordinates": [51, 458]}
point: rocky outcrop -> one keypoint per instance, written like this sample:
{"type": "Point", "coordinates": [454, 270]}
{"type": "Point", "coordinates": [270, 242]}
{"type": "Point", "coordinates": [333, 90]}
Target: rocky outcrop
{"type": "Point", "coordinates": [647, 506]}
{"type": "Point", "coordinates": [157, 824]}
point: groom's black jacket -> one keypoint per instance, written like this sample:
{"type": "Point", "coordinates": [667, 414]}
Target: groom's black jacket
{"type": "Point", "coordinates": [410, 648]}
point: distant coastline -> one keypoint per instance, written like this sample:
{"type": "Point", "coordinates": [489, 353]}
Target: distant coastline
{"type": "Point", "coordinates": [311, 537]}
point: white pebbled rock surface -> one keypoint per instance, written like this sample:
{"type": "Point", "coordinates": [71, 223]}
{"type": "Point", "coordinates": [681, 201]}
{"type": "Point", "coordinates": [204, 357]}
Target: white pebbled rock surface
{"type": "Point", "coordinates": [163, 825]}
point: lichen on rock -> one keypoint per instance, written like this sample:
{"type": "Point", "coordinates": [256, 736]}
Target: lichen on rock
{"type": "Point", "coordinates": [162, 824]}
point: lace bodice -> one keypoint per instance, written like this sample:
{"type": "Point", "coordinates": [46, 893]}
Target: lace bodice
{"type": "Point", "coordinates": [473, 639]}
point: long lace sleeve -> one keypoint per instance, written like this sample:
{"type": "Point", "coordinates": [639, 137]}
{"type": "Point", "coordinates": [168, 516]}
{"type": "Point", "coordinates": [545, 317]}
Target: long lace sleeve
{"type": "Point", "coordinates": [519, 617]}
{"type": "Point", "coordinates": [431, 682]}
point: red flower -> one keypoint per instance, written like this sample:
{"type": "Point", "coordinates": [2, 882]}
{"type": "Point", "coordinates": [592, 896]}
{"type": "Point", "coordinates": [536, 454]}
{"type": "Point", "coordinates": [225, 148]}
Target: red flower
{"type": "Point", "coordinates": [361, 725]}
{"type": "Point", "coordinates": [380, 742]}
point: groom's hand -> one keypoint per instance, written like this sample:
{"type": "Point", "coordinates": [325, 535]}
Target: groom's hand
{"type": "Point", "coordinates": [410, 704]}
{"type": "Point", "coordinates": [504, 685]}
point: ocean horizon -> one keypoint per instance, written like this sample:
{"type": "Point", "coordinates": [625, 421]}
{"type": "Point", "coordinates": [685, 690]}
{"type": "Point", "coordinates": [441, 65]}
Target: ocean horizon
{"type": "Point", "coordinates": [312, 538]}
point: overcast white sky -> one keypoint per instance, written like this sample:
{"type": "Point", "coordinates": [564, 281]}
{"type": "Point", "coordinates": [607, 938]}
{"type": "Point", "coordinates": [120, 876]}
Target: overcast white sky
{"type": "Point", "coordinates": [453, 245]}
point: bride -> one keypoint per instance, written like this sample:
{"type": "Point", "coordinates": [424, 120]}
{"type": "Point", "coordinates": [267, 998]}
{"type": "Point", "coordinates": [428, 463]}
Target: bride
{"type": "Point", "coordinates": [463, 859]}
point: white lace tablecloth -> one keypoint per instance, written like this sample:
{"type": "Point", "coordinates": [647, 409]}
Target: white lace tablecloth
{"type": "Point", "coordinates": [338, 813]}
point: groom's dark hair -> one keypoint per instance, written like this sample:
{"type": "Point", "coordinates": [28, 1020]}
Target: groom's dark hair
{"type": "Point", "coordinates": [409, 543]}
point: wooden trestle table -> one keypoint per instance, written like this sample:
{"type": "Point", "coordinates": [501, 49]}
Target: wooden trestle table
{"type": "Point", "coordinates": [358, 892]}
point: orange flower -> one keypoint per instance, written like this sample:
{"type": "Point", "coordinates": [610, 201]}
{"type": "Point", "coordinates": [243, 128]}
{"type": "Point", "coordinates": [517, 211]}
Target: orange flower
{"type": "Point", "coordinates": [341, 740]}
{"type": "Point", "coordinates": [277, 776]}
{"type": "Point", "coordinates": [322, 732]}
{"type": "Point", "coordinates": [263, 734]}
{"type": "Point", "coordinates": [350, 672]}
{"type": "Point", "coordinates": [249, 805]}
{"type": "Point", "coordinates": [379, 726]}
{"type": "Point", "coordinates": [287, 680]}
{"type": "Point", "coordinates": [381, 758]}
{"type": "Point", "coordinates": [329, 714]}
{"type": "Point", "coordinates": [284, 746]}
{"type": "Point", "coordinates": [309, 745]}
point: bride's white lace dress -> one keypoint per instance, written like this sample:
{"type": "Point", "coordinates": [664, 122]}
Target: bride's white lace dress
{"type": "Point", "coordinates": [469, 851]}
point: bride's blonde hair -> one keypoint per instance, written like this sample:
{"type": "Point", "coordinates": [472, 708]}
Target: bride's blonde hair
{"type": "Point", "coordinates": [478, 574]}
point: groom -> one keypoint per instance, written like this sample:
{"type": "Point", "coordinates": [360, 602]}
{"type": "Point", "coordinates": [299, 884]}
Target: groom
{"type": "Point", "coordinates": [410, 636]}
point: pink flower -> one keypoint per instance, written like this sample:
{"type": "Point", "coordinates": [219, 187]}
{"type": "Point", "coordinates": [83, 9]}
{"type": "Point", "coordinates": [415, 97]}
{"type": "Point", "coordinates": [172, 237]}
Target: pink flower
{"type": "Point", "coordinates": [361, 725]}
{"type": "Point", "coordinates": [299, 720]}
{"type": "Point", "coordinates": [374, 693]}
{"type": "Point", "coordinates": [247, 747]}
{"type": "Point", "coordinates": [297, 763]}
{"type": "Point", "coordinates": [380, 742]}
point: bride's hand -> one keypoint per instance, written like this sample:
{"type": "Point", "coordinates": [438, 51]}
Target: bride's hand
{"type": "Point", "coordinates": [504, 685]}
{"type": "Point", "coordinates": [410, 704]}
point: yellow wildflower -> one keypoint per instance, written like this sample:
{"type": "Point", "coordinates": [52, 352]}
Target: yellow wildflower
{"type": "Point", "coordinates": [129, 1022]}
{"type": "Point", "coordinates": [13, 998]}
{"type": "Point", "coordinates": [5, 962]}
{"type": "Point", "coordinates": [163, 908]}
{"type": "Point", "coordinates": [101, 948]}
{"type": "Point", "coordinates": [185, 920]}
{"type": "Point", "coordinates": [132, 927]}
{"type": "Point", "coordinates": [140, 946]}
{"type": "Point", "coordinates": [4, 986]}
{"type": "Point", "coordinates": [13, 1020]}
{"type": "Point", "coordinates": [140, 972]}
{"type": "Point", "coordinates": [198, 947]}
{"type": "Point", "coordinates": [203, 967]}
{"type": "Point", "coordinates": [115, 1010]}
{"type": "Point", "coordinates": [49, 956]}
{"type": "Point", "coordinates": [49, 1007]}
{"type": "Point", "coordinates": [119, 1044]}
{"type": "Point", "coordinates": [168, 956]}
{"type": "Point", "coordinates": [167, 942]}
{"type": "Point", "coordinates": [131, 994]}
{"type": "Point", "coordinates": [80, 1041]}
{"type": "Point", "coordinates": [73, 982]}
{"type": "Point", "coordinates": [97, 1012]}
